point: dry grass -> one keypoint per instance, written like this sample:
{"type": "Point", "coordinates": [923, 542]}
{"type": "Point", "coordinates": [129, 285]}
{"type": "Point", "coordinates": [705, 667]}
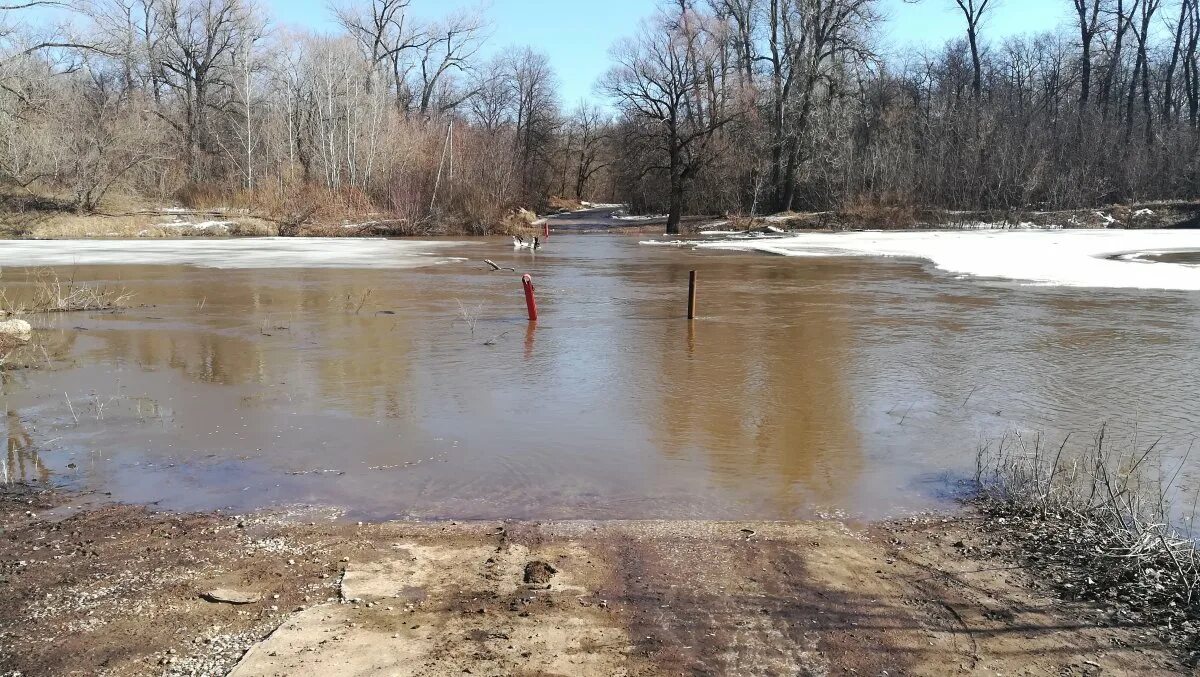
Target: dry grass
{"type": "Point", "coordinates": [880, 216]}
{"type": "Point", "coordinates": [69, 225]}
{"type": "Point", "coordinates": [8, 344]}
{"type": "Point", "coordinates": [564, 204]}
{"type": "Point", "coordinates": [46, 292]}
{"type": "Point", "coordinates": [1102, 523]}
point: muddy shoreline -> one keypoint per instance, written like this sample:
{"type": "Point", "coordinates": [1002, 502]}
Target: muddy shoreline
{"type": "Point", "coordinates": [117, 590]}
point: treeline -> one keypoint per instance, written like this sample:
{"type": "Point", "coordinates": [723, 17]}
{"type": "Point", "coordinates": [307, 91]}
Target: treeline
{"type": "Point", "coordinates": [206, 101]}
{"type": "Point", "coordinates": [772, 105]}
{"type": "Point", "coordinates": [744, 106]}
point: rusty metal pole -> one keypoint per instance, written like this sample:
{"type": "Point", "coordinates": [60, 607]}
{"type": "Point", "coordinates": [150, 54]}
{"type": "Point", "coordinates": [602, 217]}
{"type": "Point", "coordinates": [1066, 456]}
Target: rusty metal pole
{"type": "Point", "coordinates": [692, 295]}
{"type": "Point", "coordinates": [530, 301]}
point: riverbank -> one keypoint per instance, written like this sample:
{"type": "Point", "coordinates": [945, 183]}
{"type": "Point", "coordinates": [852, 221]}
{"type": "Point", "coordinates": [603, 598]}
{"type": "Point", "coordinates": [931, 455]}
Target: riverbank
{"type": "Point", "coordinates": [123, 590]}
{"type": "Point", "coordinates": [1140, 215]}
{"type": "Point", "coordinates": [33, 219]}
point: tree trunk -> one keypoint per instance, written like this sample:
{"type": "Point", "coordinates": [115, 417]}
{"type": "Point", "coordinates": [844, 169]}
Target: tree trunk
{"type": "Point", "coordinates": [1115, 63]}
{"type": "Point", "coordinates": [675, 214]}
{"type": "Point", "coordinates": [977, 78]}
{"type": "Point", "coordinates": [789, 180]}
{"type": "Point", "coordinates": [1169, 77]}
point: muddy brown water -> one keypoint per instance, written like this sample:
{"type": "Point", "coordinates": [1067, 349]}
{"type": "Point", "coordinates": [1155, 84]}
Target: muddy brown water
{"type": "Point", "coordinates": [808, 387]}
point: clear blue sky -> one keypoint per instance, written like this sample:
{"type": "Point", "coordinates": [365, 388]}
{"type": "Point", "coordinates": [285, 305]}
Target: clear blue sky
{"type": "Point", "coordinates": [577, 34]}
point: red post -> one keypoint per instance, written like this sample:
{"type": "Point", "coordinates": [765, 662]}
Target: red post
{"type": "Point", "coordinates": [530, 301]}
{"type": "Point", "coordinates": [546, 229]}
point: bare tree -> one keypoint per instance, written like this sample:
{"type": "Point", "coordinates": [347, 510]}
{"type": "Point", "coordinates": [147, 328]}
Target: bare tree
{"type": "Point", "coordinates": [664, 82]}
{"type": "Point", "coordinates": [201, 39]}
{"type": "Point", "coordinates": [973, 11]}
{"type": "Point", "coordinates": [449, 48]}
{"type": "Point", "coordinates": [1177, 52]}
{"type": "Point", "coordinates": [807, 41]}
{"type": "Point", "coordinates": [591, 132]}
{"type": "Point", "coordinates": [531, 87]}
{"type": "Point", "coordinates": [1141, 72]}
{"type": "Point", "coordinates": [1088, 14]}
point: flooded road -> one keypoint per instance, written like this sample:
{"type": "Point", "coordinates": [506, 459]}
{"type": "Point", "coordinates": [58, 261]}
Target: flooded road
{"type": "Point", "coordinates": [809, 386]}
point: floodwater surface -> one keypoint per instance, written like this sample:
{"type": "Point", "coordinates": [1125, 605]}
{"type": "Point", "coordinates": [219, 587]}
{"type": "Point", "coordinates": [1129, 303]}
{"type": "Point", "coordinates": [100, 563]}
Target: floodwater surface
{"type": "Point", "coordinates": [808, 386]}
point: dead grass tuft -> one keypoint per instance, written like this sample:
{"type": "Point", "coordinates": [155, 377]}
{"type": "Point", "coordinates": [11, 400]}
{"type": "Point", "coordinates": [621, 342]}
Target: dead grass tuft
{"type": "Point", "coordinates": [564, 204]}
{"type": "Point", "coordinates": [46, 292]}
{"type": "Point", "coordinates": [1099, 522]}
{"type": "Point", "coordinates": [879, 216]}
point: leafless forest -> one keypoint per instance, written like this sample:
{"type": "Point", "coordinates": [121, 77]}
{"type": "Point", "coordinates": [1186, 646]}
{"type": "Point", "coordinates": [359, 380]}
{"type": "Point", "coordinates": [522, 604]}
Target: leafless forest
{"type": "Point", "coordinates": [740, 106]}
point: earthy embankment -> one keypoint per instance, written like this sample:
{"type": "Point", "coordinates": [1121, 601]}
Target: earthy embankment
{"type": "Point", "coordinates": [25, 217]}
{"type": "Point", "coordinates": [118, 590]}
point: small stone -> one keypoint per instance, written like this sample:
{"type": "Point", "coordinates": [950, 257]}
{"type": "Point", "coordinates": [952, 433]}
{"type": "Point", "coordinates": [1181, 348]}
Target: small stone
{"type": "Point", "coordinates": [538, 572]}
{"type": "Point", "coordinates": [223, 595]}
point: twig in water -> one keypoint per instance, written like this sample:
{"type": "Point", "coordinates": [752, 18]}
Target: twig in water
{"type": "Point", "coordinates": [492, 341]}
{"type": "Point", "coordinates": [902, 418]}
{"type": "Point", "coordinates": [73, 415]}
{"type": "Point", "coordinates": [469, 316]}
{"type": "Point", "coordinates": [964, 404]}
{"type": "Point", "coordinates": [356, 303]}
{"type": "Point", "coordinates": [100, 406]}
{"type": "Point", "coordinates": [496, 267]}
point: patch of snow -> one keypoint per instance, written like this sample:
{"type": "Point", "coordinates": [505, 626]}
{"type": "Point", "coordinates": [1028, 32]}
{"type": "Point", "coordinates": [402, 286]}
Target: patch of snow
{"type": "Point", "coordinates": [667, 243]}
{"type": "Point", "coordinates": [601, 205]}
{"type": "Point", "coordinates": [1004, 225]}
{"type": "Point", "coordinates": [640, 217]}
{"type": "Point", "coordinates": [1107, 218]}
{"type": "Point", "coordinates": [1073, 258]}
{"type": "Point", "coordinates": [712, 227]}
{"type": "Point", "coordinates": [271, 252]}
{"type": "Point", "coordinates": [1144, 212]}
{"type": "Point", "coordinates": [203, 225]}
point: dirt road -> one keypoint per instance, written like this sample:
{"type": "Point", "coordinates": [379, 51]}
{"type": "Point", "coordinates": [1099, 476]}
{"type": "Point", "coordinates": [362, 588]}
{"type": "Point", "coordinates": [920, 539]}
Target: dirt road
{"type": "Point", "coordinates": [117, 591]}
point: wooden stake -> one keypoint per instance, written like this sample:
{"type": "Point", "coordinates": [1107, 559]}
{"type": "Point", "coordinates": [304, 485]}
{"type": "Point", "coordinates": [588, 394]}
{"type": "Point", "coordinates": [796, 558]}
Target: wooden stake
{"type": "Point", "coordinates": [692, 295]}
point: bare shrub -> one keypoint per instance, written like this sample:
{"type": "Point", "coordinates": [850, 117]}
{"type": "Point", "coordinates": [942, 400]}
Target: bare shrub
{"type": "Point", "coordinates": [1102, 521]}
{"type": "Point", "coordinates": [48, 293]}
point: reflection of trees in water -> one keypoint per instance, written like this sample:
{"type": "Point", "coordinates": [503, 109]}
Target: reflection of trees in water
{"type": "Point", "coordinates": [47, 345]}
{"type": "Point", "coordinates": [762, 392]}
{"type": "Point", "coordinates": [279, 327]}
{"type": "Point", "coordinates": [22, 462]}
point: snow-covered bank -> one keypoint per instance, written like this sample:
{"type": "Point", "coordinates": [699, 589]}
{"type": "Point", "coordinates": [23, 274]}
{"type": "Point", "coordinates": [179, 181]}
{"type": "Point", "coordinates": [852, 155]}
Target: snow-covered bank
{"type": "Point", "coordinates": [1076, 258]}
{"type": "Point", "coordinates": [239, 253]}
